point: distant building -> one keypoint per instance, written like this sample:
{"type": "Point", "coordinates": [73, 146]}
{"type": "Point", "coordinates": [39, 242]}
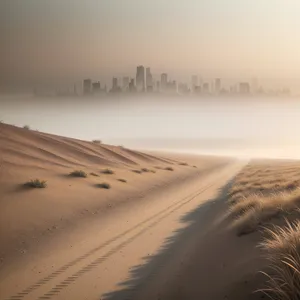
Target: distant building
{"type": "Point", "coordinates": [158, 86]}
{"type": "Point", "coordinates": [194, 82]}
{"type": "Point", "coordinates": [183, 88]}
{"type": "Point", "coordinates": [244, 88]}
{"type": "Point", "coordinates": [115, 88]}
{"type": "Point", "coordinates": [96, 87]}
{"type": "Point", "coordinates": [206, 87]}
{"type": "Point", "coordinates": [125, 84]}
{"type": "Point", "coordinates": [149, 80]}
{"type": "Point", "coordinates": [218, 85]}
{"type": "Point", "coordinates": [163, 81]}
{"type": "Point", "coordinates": [197, 89]}
{"type": "Point", "coordinates": [87, 86]}
{"type": "Point", "coordinates": [140, 79]}
{"type": "Point", "coordinates": [131, 86]}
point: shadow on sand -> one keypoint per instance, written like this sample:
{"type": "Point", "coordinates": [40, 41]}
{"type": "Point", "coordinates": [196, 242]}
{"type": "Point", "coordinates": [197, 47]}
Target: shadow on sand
{"type": "Point", "coordinates": [141, 276]}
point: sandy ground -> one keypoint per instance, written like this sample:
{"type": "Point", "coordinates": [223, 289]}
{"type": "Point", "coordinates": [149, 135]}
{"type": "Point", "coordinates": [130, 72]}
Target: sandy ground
{"type": "Point", "coordinates": [158, 236]}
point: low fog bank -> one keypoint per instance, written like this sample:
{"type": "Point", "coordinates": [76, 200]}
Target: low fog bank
{"type": "Point", "coordinates": [245, 127]}
{"type": "Point", "coordinates": [240, 148]}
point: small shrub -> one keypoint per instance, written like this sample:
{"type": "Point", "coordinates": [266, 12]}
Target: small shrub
{"type": "Point", "coordinates": [94, 174]}
{"type": "Point", "coordinates": [122, 180]}
{"type": "Point", "coordinates": [194, 166]}
{"type": "Point", "coordinates": [108, 171]}
{"type": "Point", "coordinates": [145, 170]}
{"type": "Point", "coordinates": [169, 169]}
{"type": "Point", "coordinates": [26, 127]}
{"type": "Point", "coordinates": [137, 171]}
{"type": "Point", "coordinates": [36, 183]}
{"type": "Point", "coordinates": [183, 164]}
{"type": "Point", "coordinates": [103, 185]}
{"type": "Point", "coordinates": [97, 141]}
{"type": "Point", "coordinates": [78, 173]}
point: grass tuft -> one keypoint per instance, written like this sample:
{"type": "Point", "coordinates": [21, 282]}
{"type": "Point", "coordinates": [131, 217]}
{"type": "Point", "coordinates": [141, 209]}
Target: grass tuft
{"type": "Point", "coordinates": [97, 141]}
{"type": "Point", "coordinates": [169, 169]}
{"type": "Point", "coordinates": [137, 171]}
{"type": "Point", "coordinates": [26, 127]}
{"type": "Point", "coordinates": [108, 171]}
{"type": "Point", "coordinates": [104, 185]}
{"type": "Point", "coordinates": [122, 180]}
{"type": "Point", "coordinates": [282, 250]}
{"type": "Point", "coordinates": [36, 183]}
{"type": "Point", "coordinates": [94, 174]}
{"type": "Point", "coordinates": [78, 173]}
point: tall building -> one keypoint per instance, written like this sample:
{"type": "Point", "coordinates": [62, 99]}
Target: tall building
{"type": "Point", "coordinates": [163, 81]}
{"type": "Point", "coordinates": [244, 88]}
{"type": "Point", "coordinates": [206, 87]}
{"type": "Point", "coordinates": [194, 82]}
{"type": "Point", "coordinates": [131, 86]}
{"type": "Point", "coordinates": [125, 84]}
{"type": "Point", "coordinates": [87, 86]}
{"type": "Point", "coordinates": [96, 87]}
{"type": "Point", "coordinates": [217, 85]}
{"type": "Point", "coordinates": [140, 79]}
{"type": "Point", "coordinates": [149, 80]}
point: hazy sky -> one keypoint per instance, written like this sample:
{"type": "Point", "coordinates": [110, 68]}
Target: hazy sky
{"type": "Point", "coordinates": [43, 39]}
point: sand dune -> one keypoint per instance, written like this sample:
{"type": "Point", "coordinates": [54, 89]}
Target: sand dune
{"type": "Point", "coordinates": [31, 217]}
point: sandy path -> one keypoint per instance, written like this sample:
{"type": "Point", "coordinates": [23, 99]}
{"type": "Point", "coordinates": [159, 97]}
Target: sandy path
{"type": "Point", "coordinates": [114, 257]}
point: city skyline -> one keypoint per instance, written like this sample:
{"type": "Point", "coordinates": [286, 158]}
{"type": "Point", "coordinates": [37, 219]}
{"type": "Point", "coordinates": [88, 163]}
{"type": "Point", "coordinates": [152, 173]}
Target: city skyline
{"type": "Point", "coordinates": [232, 39]}
{"type": "Point", "coordinates": [145, 82]}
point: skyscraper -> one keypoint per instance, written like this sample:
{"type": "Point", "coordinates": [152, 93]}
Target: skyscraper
{"type": "Point", "coordinates": [140, 78]}
{"type": "Point", "coordinates": [87, 86]}
{"type": "Point", "coordinates": [163, 81]}
{"type": "Point", "coordinates": [217, 85]}
{"type": "Point", "coordinates": [96, 87]}
{"type": "Point", "coordinates": [125, 84]}
{"type": "Point", "coordinates": [194, 82]}
{"type": "Point", "coordinates": [244, 87]}
{"type": "Point", "coordinates": [149, 80]}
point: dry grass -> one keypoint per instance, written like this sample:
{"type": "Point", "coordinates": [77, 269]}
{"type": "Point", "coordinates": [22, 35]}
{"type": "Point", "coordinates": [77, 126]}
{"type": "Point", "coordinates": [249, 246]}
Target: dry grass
{"type": "Point", "coordinates": [104, 185]}
{"type": "Point", "coordinates": [78, 173]}
{"type": "Point", "coordinates": [283, 254]}
{"type": "Point", "coordinates": [122, 180]}
{"type": "Point", "coordinates": [94, 174]}
{"type": "Point", "coordinates": [108, 171]}
{"type": "Point", "coordinates": [97, 141]}
{"type": "Point", "coordinates": [261, 193]}
{"type": "Point", "coordinates": [169, 169]}
{"type": "Point", "coordinates": [36, 183]}
{"type": "Point", "coordinates": [137, 171]}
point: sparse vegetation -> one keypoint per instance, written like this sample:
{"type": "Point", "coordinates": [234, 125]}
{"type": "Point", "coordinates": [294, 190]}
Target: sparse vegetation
{"type": "Point", "coordinates": [94, 174]}
{"type": "Point", "coordinates": [104, 185]}
{"type": "Point", "coordinates": [97, 141]}
{"type": "Point", "coordinates": [137, 171]}
{"type": "Point", "coordinates": [283, 254]}
{"type": "Point", "coordinates": [263, 193]}
{"type": "Point", "coordinates": [194, 166]}
{"type": "Point", "coordinates": [36, 183]}
{"type": "Point", "coordinates": [26, 127]}
{"type": "Point", "coordinates": [145, 170]}
{"type": "Point", "coordinates": [108, 171]}
{"type": "Point", "coordinates": [183, 164]}
{"type": "Point", "coordinates": [169, 169]}
{"type": "Point", "coordinates": [78, 173]}
{"type": "Point", "coordinates": [122, 180]}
